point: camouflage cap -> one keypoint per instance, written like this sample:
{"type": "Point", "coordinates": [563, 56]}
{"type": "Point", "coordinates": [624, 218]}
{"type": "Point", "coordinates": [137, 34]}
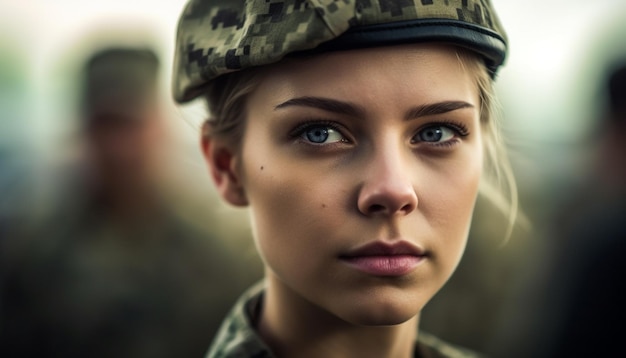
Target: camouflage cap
{"type": "Point", "coordinates": [220, 36]}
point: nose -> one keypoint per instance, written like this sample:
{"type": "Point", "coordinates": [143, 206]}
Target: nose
{"type": "Point", "coordinates": [387, 189]}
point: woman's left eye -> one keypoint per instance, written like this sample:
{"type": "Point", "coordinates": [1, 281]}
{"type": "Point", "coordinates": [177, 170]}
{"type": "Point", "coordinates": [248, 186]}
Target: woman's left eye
{"type": "Point", "coordinates": [321, 134]}
{"type": "Point", "coordinates": [434, 134]}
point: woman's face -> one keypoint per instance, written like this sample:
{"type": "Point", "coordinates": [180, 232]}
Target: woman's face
{"type": "Point", "coordinates": [361, 169]}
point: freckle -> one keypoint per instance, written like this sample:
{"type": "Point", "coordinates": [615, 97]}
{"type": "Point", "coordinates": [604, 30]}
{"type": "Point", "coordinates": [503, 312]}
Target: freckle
{"type": "Point", "coordinates": [323, 205]}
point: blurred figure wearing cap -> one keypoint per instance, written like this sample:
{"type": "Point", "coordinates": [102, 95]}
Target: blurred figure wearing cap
{"type": "Point", "coordinates": [613, 151]}
{"type": "Point", "coordinates": [586, 310]}
{"type": "Point", "coordinates": [573, 305]}
{"type": "Point", "coordinates": [115, 271]}
{"type": "Point", "coordinates": [357, 133]}
{"type": "Point", "coordinates": [123, 129]}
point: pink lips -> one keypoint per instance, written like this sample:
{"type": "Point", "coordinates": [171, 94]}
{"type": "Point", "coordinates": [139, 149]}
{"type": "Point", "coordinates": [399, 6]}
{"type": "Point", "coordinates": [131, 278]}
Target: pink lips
{"type": "Point", "coordinates": [384, 259]}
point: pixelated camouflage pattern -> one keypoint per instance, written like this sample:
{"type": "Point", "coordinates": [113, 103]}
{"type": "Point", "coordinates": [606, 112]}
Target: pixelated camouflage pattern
{"type": "Point", "coordinates": [238, 339]}
{"type": "Point", "coordinates": [219, 36]}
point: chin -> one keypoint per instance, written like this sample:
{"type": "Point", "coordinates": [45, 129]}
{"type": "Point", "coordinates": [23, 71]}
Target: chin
{"type": "Point", "coordinates": [382, 321]}
{"type": "Point", "coordinates": [381, 314]}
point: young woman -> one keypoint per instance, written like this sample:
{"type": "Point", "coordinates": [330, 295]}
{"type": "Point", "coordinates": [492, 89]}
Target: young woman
{"type": "Point", "coordinates": [358, 134]}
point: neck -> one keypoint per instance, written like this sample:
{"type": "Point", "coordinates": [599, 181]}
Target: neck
{"type": "Point", "coordinates": [294, 327]}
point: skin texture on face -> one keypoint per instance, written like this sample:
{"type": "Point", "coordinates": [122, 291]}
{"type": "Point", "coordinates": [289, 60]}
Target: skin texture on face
{"type": "Point", "coordinates": [347, 149]}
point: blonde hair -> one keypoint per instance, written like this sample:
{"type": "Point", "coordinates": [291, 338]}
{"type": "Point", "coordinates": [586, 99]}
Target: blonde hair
{"type": "Point", "coordinates": [226, 98]}
{"type": "Point", "coordinates": [498, 184]}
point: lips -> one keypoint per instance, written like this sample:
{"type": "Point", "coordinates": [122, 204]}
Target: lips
{"type": "Point", "coordinates": [384, 259]}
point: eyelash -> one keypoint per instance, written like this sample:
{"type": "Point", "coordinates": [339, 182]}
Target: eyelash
{"type": "Point", "coordinates": [459, 128]}
{"type": "Point", "coordinates": [300, 129]}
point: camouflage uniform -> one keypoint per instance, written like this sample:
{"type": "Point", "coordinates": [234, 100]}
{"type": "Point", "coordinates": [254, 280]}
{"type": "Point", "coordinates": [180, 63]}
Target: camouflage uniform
{"type": "Point", "coordinates": [238, 339]}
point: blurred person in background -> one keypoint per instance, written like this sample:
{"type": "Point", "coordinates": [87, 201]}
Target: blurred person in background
{"type": "Point", "coordinates": [114, 271]}
{"type": "Point", "coordinates": [587, 279]}
{"type": "Point", "coordinates": [124, 130]}
{"type": "Point", "coordinates": [611, 174]}
{"type": "Point", "coordinates": [573, 306]}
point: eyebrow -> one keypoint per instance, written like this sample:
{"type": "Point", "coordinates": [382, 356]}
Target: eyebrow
{"type": "Point", "coordinates": [350, 109]}
{"type": "Point", "coordinates": [326, 104]}
{"type": "Point", "coordinates": [436, 108]}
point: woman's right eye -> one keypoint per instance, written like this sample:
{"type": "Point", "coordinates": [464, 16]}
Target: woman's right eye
{"type": "Point", "coordinates": [321, 134]}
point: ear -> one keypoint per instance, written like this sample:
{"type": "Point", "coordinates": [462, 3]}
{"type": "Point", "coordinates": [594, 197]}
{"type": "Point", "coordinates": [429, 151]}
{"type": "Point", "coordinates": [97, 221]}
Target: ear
{"type": "Point", "coordinates": [223, 162]}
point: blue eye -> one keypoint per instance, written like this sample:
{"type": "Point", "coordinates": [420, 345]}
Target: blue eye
{"type": "Point", "coordinates": [435, 134]}
{"type": "Point", "coordinates": [320, 134]}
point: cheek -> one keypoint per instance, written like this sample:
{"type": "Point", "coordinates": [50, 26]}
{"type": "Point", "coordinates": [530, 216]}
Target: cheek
{"type": "Point", "coordinates": [449, 205]}
{"type": "Point", "coordinates": [457, 180]}
{"type": "Point", "coordinates": [459, 209]}
{"type": "Point", "coordinates": [457, 189]}
{"type": "Point", "coordinates": [293, 209]}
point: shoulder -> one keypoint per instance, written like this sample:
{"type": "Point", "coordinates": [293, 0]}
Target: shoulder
{"type": "Point", "coordinates": [237, 337]}
{"type": "Point", "coordinates": [429, 346]}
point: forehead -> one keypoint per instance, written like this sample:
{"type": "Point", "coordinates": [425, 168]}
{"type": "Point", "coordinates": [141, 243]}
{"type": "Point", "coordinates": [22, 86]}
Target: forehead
{"type": "Point", "coordinates": [397, 75]}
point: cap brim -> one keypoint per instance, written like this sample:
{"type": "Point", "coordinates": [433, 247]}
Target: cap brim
{"type": "Point", "coordinates": [485, 42]}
